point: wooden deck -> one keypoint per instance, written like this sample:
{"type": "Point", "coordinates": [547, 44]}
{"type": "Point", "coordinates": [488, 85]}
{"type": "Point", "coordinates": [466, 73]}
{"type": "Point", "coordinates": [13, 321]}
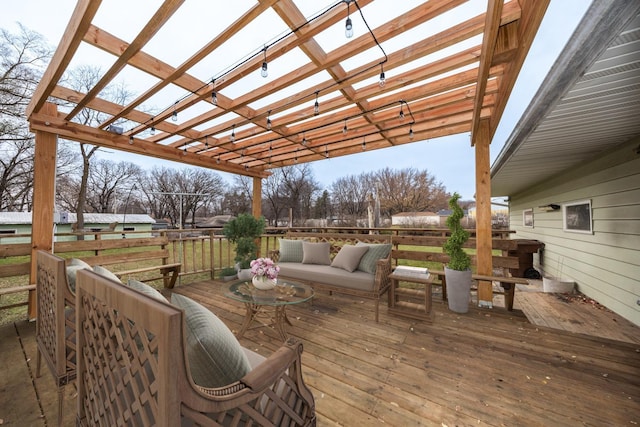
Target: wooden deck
{"type": "Point", "coordinates": [486, 367]}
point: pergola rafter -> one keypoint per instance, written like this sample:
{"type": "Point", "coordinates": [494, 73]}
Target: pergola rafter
{"type": "Point", "coordinates": [449, 80]}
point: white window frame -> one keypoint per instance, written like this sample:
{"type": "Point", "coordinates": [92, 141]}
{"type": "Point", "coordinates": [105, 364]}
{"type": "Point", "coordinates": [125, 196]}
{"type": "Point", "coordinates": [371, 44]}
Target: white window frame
{"type": "Point", "coordinates": [571, 220]}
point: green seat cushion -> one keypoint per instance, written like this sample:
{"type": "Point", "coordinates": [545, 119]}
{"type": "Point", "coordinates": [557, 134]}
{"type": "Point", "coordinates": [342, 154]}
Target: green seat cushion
{"type": "Point", "coordinates": [216, 358]}
{"type": "Point", "coordinates": [146, 289]}
{"type": "Point", "coordinates": [98, 269]}
{"type": "Point", "coordinates": [290, 250]}
{"type": "Point", "coordinates": [72, 267]}
{"type": "Point", "coordinates": [349, 257]}
{"type": "Point", "coordinates": [376, 251]}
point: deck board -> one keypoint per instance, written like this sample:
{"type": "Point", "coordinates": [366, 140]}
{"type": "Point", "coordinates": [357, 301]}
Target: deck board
{"type": "Point", "coordinates": [485, 367]}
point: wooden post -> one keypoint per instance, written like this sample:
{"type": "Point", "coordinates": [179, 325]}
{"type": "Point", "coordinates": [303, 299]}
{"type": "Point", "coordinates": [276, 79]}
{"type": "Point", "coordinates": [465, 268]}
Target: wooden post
{"type": "Point", "coordinates": [256, 205]}
{"type": "Point", "coordinates": [483, 213]}
{"type": "Point", "coordinates": [256, 202]}
{"type": "Point", "coordinates": [44, 185]}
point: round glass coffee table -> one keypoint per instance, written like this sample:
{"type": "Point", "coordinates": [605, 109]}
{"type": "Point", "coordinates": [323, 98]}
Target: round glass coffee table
{"type": "Point", "coordinates": [255, 301]}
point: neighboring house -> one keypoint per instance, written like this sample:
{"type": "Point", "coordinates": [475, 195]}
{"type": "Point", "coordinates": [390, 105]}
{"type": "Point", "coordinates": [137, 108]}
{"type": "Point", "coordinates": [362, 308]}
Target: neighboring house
{"type": "Point", "coordinates": [19, 223]}
{"type": "Point", "coordinates": [416, 219]}
{"type": "Point", "coordinates": [571, 167]}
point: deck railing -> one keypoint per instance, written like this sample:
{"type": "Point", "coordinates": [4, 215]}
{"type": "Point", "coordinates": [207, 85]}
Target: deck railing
{"type": "Point", "coordinates": [203, 253]}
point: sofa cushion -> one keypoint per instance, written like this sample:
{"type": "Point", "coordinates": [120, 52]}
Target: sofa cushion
{"type": "Point", "coordinates": [216, 358]}
{"type": "Point", "coordinates": [98, 269]}
{"type": "Point", "coordinates": [290, 250]}
{"type": "Point", "coordinates": [349, 257]}
{"type": "Point", "coordinates": [316, 253]}
{"type": "Point", "coordinates": [358, 280]}
{"type": "Point", "coordinates": [72, 267]}
{"type": "Point", "coordinates": [376, 251]}
{"type": "Point", "coordinates": [146, 289]}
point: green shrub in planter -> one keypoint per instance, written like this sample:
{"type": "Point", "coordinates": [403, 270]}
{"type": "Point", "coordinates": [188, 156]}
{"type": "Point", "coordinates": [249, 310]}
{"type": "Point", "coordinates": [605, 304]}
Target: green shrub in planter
{"type": "Point", "coordinates": [243, 230]}
{"type": "Point", "coordinates": [458, 271]}
{"type": "Point", "coordinates": [459, 259]}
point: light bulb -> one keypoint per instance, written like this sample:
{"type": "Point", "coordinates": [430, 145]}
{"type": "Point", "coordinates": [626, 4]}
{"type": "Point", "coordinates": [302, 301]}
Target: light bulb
{"type": "Point", "coordinates": [411, 132]}
{"type": "Point", "coordinates": [174, 116]}
{"type": "Point", "coordinates": [153, 130]}
{"type": "Point", "coordinates": [214, 98]}
{"type": "Point", "coordinates": [382, 79]}
{"type": "Point", "coordinates": [316, 108]}
{"type": "Point", "coordinates": [348, 28]}
{"type": "Point", "coordinates": [264, 72]}
{"type": "Point", "coordinates": [130, 140]}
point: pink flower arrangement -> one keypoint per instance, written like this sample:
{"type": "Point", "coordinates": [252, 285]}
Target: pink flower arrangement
{"type": "Point", "coordinates": [264, 267]}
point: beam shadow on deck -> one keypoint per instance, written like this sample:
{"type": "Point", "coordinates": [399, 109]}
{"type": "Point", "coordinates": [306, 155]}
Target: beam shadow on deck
{"type": "Point", "coordinates": [486, 367]}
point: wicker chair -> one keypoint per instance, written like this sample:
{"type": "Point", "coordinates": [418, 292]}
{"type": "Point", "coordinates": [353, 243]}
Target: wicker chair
{"type": "Point", "coordinates": [55, 325]}
{"type": "Point", "coordinates": [133, 369]}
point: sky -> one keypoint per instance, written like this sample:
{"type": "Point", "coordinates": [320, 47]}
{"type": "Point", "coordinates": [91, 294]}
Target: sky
{"type": "Point", "coordinates": [449, 159]}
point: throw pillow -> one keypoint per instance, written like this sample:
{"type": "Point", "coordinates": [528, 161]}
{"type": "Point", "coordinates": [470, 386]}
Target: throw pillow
{"type": "Point", "coordinates": [376, 251]}
{"type": "Point", "coordinates": [72, 267]}
{"type": "Point", "coordinates": [98, 269]}
{"type": "Point", "coordinates": [146, 289]}
{"type": "Point", "coordinates": [349, 257]}
{"type": "Point", "coordinates": [215, 356]}
{"type": "Point", "coordinates": [290, 250]}
{"type": "Point", "coordinates": [316, 253]}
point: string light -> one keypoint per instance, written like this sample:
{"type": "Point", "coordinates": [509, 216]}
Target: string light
{"type": "Point", "coordinates": [382, 77]}
{"type": "Point", "coordinates": [344, 129]}
{"type": "Point", "coordinates": [364, 143]}
{"type": "Point", "coordinates": [269, 120]}
{"type": "Point", "coordinates": [264, 72]}
{"type": "Point", "coordinates": [218, 160]}
{"type": "Point", "coordinates": [411, 131]}
{"type": "Point", "coordinates": [316, 106]}
{"type": "Point", "coordinates": [233, 133]}
{"type": "Point", "coordinates": [326, 152]}
{"type": "Point", "coordinates": [348, 25]}
{"type": "Point", "coordinates": [131, 140]}
{"type": "Point", "coordinates": [153, 130]}
{"type": "Point", "coordinates": [206, 143]}
{"type": "Point", "coordinates": [401, 115]}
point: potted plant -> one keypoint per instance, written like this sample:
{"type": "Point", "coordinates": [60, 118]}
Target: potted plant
{"type": "Point", "coordinates": [228, 273]}
{"type": "Point", "coordinates": [458, 270]}
{"type": "Point", "coordinates": [243, 231]}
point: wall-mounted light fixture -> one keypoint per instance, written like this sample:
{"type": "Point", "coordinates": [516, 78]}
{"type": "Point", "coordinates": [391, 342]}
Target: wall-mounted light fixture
{"type": "Point", "coordinates": [549, 208]}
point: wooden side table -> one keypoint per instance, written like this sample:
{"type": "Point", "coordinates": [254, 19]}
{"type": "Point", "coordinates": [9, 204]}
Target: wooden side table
{"type": "Point", "coordinates": [420, 307]}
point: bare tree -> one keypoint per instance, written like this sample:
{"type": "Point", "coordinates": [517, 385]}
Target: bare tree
{"type": "Point", "coordinates": [178, 195]}
{"type": "Point", "coordinates": [82, 79]}
{"type": "Point", "coordinates": [106, 181]}
{"type": "Point", "coordinates": [409, 190]}
{"type": "Point", "coordinates": [350, 196]}
{"type": "Point", "coordinates": [23, 57]}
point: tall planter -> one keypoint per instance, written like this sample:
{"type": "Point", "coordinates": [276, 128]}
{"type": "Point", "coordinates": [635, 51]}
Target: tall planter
{"type": "Point", "coordinates": [458, 289]}
{"type": "Point", "coordinates": [458, 271]}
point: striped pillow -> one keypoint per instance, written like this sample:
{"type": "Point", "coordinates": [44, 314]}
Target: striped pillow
{"type": "Point", "coordinates": [290, 250]}
{"type": "Point", "coordinates": [376, 251]}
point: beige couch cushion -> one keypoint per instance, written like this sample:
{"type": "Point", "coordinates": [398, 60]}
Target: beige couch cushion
{"type": "Point", "coordinates": [316, 253]}
{"type": "Point", "coordinates": [349, 257]}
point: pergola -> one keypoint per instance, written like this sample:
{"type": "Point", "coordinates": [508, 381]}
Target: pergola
{"type": "Point", "coordinates": [412, 71]}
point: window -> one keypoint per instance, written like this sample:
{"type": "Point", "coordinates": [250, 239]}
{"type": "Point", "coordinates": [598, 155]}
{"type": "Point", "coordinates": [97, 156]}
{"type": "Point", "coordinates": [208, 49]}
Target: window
{"type": "Point", "coordinates": [527, 217]}
{"type": "Point", "coordinates": [576, 217]}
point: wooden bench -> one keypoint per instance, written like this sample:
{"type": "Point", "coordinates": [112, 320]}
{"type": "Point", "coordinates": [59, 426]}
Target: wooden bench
{"type": "Point", "coordinates": [131, 251]}
{"type": "Point", "coordinates": [509, 261]}
{"type": "Point", "coordinates": [507, 283]}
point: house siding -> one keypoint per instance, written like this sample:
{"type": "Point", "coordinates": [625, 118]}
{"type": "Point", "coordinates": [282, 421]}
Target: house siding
{"type": "Point", "coordinates": [605, 265]}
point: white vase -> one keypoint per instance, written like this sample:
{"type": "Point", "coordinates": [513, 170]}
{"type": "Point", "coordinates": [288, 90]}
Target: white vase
{"type": "Point", "coordinates": [263, 283]}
